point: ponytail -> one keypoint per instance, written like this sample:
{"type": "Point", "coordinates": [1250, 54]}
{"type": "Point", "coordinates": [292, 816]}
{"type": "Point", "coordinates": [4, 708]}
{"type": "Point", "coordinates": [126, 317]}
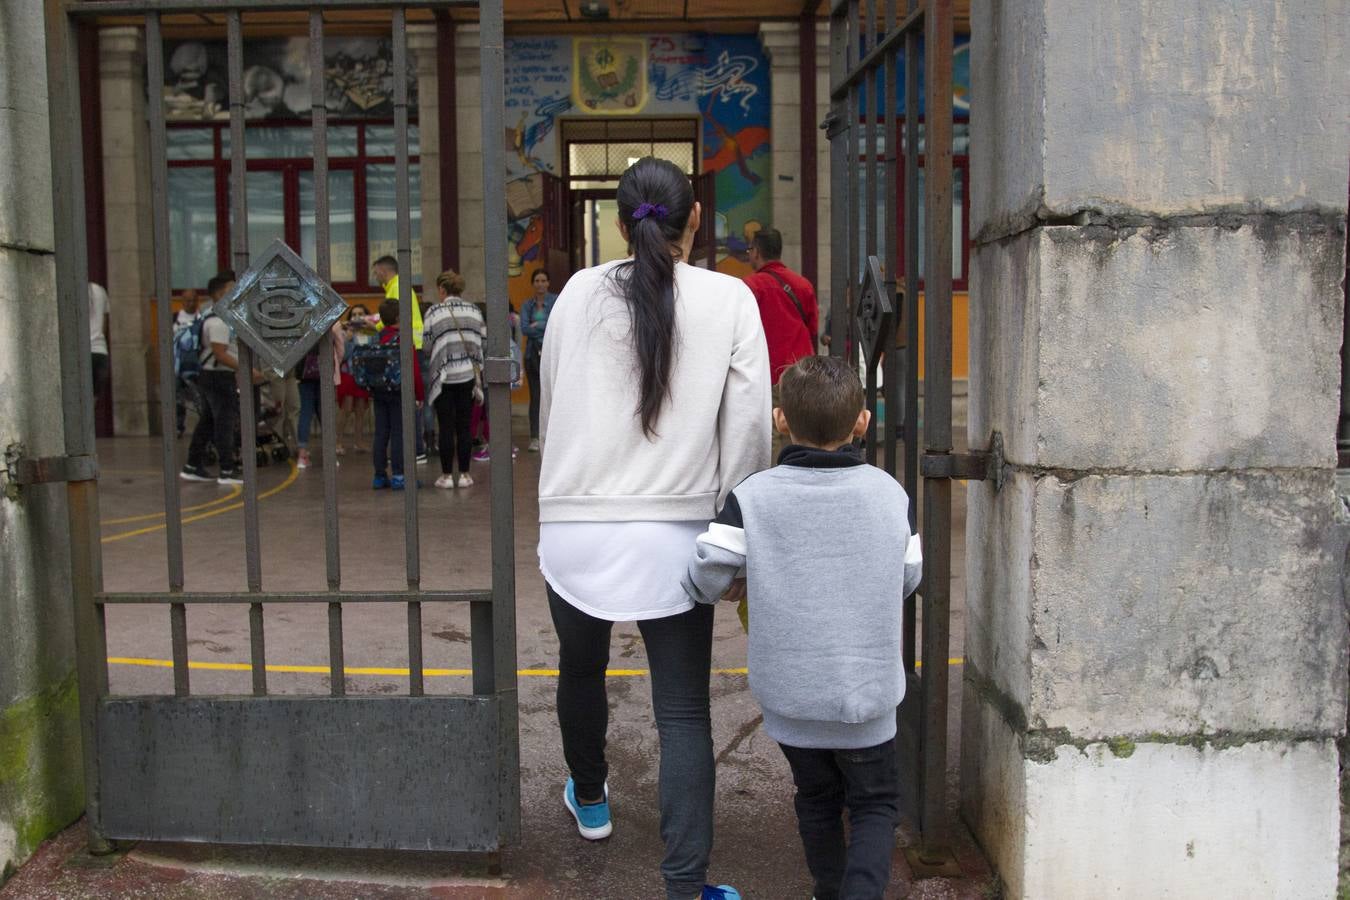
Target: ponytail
{"type": "Point", "coordinates": [655, 201]}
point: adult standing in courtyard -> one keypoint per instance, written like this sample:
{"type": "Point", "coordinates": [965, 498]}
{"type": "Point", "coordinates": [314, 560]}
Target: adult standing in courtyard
{"type": "Point", "coordinates": [655, 405]}
{"type": "Point", "coordinates": [533, 322]}
{"type": "Point", "coordinates": [385, 271]}
{"type": "Point", "coordinates": [787, 308]}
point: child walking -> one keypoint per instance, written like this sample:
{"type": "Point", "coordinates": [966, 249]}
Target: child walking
{"type": "Point", "coordinates": [829, 557]}
{"type": "Point", "coordinates": [388, 401]}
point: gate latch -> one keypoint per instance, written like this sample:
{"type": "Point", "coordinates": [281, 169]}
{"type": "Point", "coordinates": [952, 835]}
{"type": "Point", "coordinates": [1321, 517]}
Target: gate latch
{"type": "Point", "coordinates": [20, 469]}
{"type": "Point", "coordinates": [976, 465]}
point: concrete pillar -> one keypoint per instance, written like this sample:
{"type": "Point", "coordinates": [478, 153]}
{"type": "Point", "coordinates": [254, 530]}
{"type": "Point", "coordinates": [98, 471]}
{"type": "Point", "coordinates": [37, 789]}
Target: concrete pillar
{"type": "Point", "coordinates": [126, 191]}
{"type": "Point", "coordinates": [468, 106]}
{"type": "Point", "coordinates": [40, 788]}
{"type": "Point", "coordinates": [782, 45]}
{"type": "Point", "coordinates": [422, 46]}
{"type": "Point", "coordinates": [1156, 647]}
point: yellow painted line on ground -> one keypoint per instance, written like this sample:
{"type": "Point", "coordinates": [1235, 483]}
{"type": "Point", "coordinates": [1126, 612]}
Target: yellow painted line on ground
{"type": "Point", "coordinates": [290, 480]}
{"type": "Point", "coordinates": [396, 672]}
{"type": "Point", "coordinates": [127, 520]}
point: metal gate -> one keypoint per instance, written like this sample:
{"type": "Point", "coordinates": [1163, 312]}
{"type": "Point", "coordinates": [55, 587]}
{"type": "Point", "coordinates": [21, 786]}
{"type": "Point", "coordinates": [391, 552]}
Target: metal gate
{"type": "Point", "coordinates": [868, 41]}
{"type": "Point", "coordinates": [414, 771]}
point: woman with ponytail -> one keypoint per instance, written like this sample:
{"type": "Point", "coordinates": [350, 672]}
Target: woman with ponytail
{"type": "Point", "coordinates": [655, 405]}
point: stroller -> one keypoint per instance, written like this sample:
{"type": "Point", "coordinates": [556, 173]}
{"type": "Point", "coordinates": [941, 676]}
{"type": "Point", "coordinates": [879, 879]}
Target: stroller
{"type": "Point", "coordinates": [269, 445]}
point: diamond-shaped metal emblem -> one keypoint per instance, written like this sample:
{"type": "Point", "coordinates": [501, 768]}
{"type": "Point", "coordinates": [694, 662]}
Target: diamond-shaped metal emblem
{"type": "Point", "coordinates": [280, 308]}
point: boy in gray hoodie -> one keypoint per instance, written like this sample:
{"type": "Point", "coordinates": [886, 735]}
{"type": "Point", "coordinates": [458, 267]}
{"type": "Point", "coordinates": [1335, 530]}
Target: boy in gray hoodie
{"type": "Point", "coordinates": [825, 543]}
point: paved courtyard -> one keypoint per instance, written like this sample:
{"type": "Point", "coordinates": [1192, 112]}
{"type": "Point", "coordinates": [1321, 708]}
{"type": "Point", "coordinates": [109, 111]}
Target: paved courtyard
{"type": "Point", "coordinates": [757, 847]}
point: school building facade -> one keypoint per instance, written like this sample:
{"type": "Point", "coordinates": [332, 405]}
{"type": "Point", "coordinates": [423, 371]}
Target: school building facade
{"type": "Point", "coordinates": [737, 102]}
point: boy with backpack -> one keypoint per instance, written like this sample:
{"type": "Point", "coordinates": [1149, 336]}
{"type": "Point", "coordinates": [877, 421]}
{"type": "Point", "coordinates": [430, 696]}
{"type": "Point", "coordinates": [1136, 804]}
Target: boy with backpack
{"type": "Point", "coordinates": [212, 365]}
{"type": "Point", "coordinates": [377, 368]}
{"type": "Point", "coordinates": [829, 557]}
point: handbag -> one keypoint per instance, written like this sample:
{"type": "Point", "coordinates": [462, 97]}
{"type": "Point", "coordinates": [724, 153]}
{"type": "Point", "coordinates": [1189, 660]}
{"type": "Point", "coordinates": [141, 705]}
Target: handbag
{"type": "Point", "coordinates": [478, 396]}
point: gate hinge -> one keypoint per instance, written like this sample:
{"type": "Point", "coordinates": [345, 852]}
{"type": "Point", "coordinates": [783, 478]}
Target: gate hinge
{"type": "Point", "coordinates": [977, 465]}
{"type": "Point", "coordinates": [20, 469]}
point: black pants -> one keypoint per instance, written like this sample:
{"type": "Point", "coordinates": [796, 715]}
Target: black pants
{"type": "Point", "coordinates": [536, 388]}
{"type": "Point", "coordinates": [454, 415]}
{"type": "Point", "coordinates": [218, 421]}
{"type": "Point", "coordinates": [388, 447]}
{"type": "Point", "coordinates": [679, 651]}
{"type": "Point", "coordinates": [865, 781]}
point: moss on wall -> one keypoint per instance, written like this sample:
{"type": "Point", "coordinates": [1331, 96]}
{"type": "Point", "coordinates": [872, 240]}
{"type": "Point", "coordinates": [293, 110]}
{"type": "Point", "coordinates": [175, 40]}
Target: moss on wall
{"type": "Point", "coordinates": [41, 785]}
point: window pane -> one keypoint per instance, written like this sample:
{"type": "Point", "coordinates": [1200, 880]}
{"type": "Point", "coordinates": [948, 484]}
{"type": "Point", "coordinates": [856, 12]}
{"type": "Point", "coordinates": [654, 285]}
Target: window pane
{"type": "Point", "coordinates": [380, 140]}
{"type": "Point", "coordinates": [341, 223]}
{"type": "Point", "coordinates": [381, 224]}
{"type": "Point", "coordinates": [192, 227]}
{"type": "Point", "coordinates": [191, 143]}
{"type": "Point", "coordinates": [681, 153]}
{"type": "Point", "coordinates": [266, 210]}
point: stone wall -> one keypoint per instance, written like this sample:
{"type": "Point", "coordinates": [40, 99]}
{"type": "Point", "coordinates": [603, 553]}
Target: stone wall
{"type": "Point", "coordinates": [40, 788]}
{"type": "Point", "coordinates": [1156, 649]}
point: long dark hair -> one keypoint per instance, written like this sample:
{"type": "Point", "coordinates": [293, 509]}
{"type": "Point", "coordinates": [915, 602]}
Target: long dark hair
{"type": "Point", "coordinates": [655, 202]}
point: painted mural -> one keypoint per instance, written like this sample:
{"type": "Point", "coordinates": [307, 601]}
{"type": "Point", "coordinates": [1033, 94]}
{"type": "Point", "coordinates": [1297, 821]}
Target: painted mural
{"type": "Point", "coordinates": [722, 79]}
{"type": "Point", "coordinates": [359, 78]}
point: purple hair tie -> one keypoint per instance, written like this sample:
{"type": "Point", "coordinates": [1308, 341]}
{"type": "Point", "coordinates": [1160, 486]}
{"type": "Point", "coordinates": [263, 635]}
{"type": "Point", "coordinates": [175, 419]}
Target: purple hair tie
{"type": "Point", "coordinates": [650, 209]}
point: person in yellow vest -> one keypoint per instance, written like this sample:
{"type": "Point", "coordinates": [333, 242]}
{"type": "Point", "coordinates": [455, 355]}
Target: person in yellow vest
{"type": "Point", "coordinates": [385, 270]}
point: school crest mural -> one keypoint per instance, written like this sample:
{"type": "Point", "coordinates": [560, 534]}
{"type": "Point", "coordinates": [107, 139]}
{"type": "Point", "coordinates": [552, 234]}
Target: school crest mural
{"type": "Point", "coordinates": [610, 75]}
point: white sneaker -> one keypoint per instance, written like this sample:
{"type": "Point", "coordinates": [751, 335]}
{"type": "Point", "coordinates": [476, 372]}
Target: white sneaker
{"type": "Point", "coordinates": [534, 445]}
{"type": "Point", "coordinates": [445, 482]}
{"type": "Point", "coordinates": [465, 480]}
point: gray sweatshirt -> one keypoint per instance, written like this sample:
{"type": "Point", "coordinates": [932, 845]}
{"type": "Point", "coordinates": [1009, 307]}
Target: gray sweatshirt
{"type": "Point", "coordinates": [828, 554]}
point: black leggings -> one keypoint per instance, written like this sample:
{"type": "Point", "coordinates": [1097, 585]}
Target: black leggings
{"type": "Point", "coordinates": [454, 414]}
{"type": "Point", "coordinates": [679, 651]}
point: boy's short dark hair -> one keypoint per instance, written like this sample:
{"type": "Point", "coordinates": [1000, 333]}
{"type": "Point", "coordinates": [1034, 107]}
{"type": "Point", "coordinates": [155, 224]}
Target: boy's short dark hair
{"type": "Point", "coordinates": [769, 243]}
{"type": "Point", "coordinates": [821, 397]}
{"type": "Point", "coordinates": [389, 312]}
{"type": "Point", "coordinates": [216, 284]}
{"type": "Point", "coordinates": [388, 262]}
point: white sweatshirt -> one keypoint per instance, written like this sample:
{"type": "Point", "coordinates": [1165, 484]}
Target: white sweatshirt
{"type": "Point", "coordinates": [713, 431]}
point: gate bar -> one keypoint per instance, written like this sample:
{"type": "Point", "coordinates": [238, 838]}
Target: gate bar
{"type": "Point", "coordinates": [911, 318]}
{"type": "Point", "coordinates": [121, 598]}
{"type": "Point", "coordinates": [198, 7]}
{"type": "Point", "coordinates": [159, 176]}
{"type": "Point", "coordinates": [869, 162]}
{"type": "Point", "coordinates": [318, 115]}
{"type": "Point", "coordinates": [838, 133]}
{"type": "Point", "coordinates": [911, 23]}
{"type": "Point", "coordinates": [77, 402]}
{"type": "Point", "coordinates": [492, 65]}
{"type": "Point", "coordinates": [159, 191]}
{"type": "Point", "coordinates": [248, 420]}
{"type": "Point", "coordinates": [853, 265]}
{"type": "Point", "coordinates": [408, 394]}
{"type": "Point", "coordinates": [937, 492]}
{"type": "Point", "coordinates": [891, 254]}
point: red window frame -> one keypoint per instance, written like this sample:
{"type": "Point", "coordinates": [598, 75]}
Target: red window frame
{"type": "Point", "coordinates": [291, 167]}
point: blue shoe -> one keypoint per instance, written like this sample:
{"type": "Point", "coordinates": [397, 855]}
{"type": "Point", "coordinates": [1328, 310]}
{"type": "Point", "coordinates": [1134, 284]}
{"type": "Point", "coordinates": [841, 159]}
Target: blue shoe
{"type": "Point", "coordinates": [593, 818]}
{"type": "Point", "coordinates": [379, 483]}
{"type": "Point", "coordinates": [396, 482]}
{"type": "Point", "coordinates": [721, 892]}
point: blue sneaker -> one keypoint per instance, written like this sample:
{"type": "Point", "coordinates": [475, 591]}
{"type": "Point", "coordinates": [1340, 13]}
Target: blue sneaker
{"type": "Point", "coordinates": [397, 482]}
{"type": "Point", "coordinates": [720, 892]}
{"type": "Point", "coordinates": [593, 818]}
{"type": "Point", "coordinates": [379, 483]}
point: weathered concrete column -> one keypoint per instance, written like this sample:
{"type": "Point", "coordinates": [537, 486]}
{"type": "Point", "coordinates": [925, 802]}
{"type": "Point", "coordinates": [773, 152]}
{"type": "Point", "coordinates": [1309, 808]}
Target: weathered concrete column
{"type": "Point", "coordinates": [126, 191]}
{"type": "Point", "coordinates": [40, 785]}
{"type": "Point", "coordinates": [468, 105]}
{"type": "Point", "coordinates": [1156, 640]}
{"type": "Point", "coordinates": [422, 46]}
{"type": "Point", "coordinates": [781, 42]}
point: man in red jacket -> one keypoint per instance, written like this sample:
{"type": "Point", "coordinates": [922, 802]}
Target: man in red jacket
{"type": "Point", "coordinates": [787, 308]}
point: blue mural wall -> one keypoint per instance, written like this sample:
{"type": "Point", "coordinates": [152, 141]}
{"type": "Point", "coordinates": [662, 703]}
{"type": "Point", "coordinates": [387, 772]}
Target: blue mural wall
{"type": "Point", "coordinates": [722, 79]}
